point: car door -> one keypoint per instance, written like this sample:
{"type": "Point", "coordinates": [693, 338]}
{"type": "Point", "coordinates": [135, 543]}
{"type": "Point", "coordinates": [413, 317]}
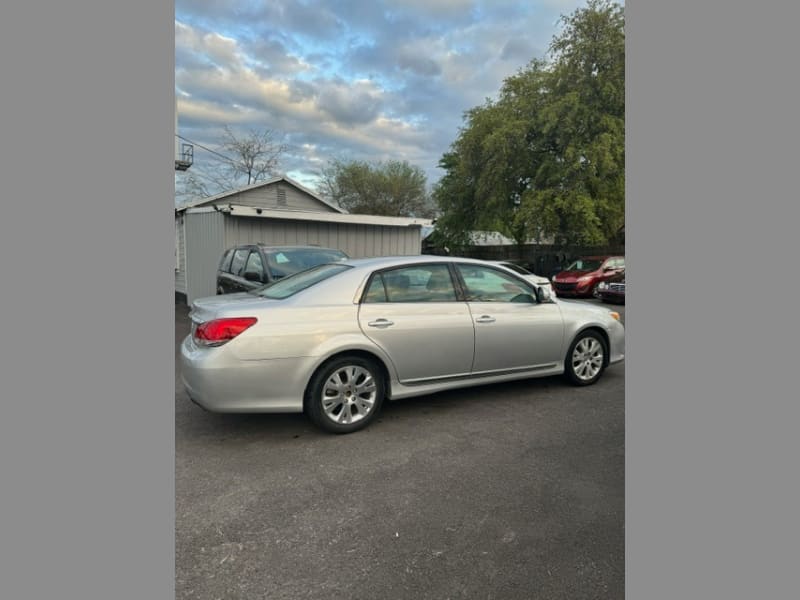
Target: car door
{"type": "Point", "coordinates": [512, 330]}
{"type": "Point", "coordinates": [413, 313]}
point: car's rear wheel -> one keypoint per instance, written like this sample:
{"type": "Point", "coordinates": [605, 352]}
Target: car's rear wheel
{"type": "Point", "coordinates": [586, 358]}
{"type": "Point", "coordinates": [345, 394]}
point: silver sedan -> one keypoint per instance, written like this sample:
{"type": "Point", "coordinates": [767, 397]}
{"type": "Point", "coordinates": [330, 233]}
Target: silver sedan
{"type": "Point", "coordinates": [337, 340]}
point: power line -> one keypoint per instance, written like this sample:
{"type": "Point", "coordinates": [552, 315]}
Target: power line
{"type": "Point", "coordinates": [230, 160]}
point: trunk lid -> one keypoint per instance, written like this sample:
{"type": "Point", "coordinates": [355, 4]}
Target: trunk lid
{"type": "Point", "coordinates": [212, 307]}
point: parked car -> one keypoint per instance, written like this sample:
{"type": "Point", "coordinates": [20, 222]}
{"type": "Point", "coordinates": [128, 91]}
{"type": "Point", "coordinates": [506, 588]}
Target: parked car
{"type": "Point", "coordinates": [338, 339]}
{"type": "Point", "coordinates": [250, 266]}
{"type": "Point", "coordinates": [522, 271]}
{"type": "Point", "coordinates": [613, 290]}
{"type": "Point", "coordinates": [581, 278]}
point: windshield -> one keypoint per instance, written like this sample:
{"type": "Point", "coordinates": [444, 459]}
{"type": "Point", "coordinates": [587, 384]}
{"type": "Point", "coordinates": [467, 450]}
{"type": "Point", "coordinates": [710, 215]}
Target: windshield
{"type": "Point", "coordinates": [298, 282]}
{"type": "Point", "coordinates": [584, 265]}
{"type": "Point", "coordinates": [289, 261]}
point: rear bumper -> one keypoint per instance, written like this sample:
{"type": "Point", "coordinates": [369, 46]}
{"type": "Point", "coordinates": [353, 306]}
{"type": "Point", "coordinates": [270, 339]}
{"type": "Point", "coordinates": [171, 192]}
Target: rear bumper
{"type": "Point", "coordinates": [219, 382]}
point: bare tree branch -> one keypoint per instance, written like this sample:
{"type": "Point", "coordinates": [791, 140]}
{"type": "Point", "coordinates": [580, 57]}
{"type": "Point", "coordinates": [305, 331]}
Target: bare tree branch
{"type": "Point", "coordinates": [254, 156]}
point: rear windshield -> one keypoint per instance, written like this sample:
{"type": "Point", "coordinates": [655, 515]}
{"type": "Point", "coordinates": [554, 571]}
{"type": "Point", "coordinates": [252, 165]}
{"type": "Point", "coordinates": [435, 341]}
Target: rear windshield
{"type": "Point", "coordinates": [289, 261]}
{"type": "Point", "coordinates": [299, 281]}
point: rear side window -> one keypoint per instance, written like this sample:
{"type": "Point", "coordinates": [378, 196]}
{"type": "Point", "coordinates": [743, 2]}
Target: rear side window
{"type": "Point", "coordinates": [423, 283]}
{"type": "Point", "coordinates": [239, 258]}
{"type": "Point", "coordinates": [225, 263]}
{"type": "Point", "coordinates": [376, 291]}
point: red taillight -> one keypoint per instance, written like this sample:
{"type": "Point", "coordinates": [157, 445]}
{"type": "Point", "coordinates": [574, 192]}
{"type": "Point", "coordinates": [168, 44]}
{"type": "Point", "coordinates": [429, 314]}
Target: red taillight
{"type": "Point", "coordinates": [219, 331]}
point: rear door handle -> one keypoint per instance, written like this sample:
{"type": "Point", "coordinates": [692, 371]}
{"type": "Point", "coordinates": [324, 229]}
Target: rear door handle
{"type": "Point", "coordinates": [381, 323]}
{"type": "Point", "coordinates": [485, 319]}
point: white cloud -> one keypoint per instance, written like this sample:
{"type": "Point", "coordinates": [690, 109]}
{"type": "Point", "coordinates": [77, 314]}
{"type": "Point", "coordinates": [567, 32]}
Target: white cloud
{"type": "Point", "coordinates": [367, 79]}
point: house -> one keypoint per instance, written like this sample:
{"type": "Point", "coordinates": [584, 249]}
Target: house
{"type": "Point", "coordinates": [279, 211]}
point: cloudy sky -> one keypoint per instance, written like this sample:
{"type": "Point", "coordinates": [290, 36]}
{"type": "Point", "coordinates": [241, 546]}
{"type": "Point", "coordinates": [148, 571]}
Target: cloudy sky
{"type": "Point", "coordinates": [349, 79]}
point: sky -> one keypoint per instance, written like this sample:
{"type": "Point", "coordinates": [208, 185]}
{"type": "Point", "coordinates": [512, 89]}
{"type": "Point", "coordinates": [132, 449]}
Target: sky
{"type": "Point", "coordinates": [346, 80]}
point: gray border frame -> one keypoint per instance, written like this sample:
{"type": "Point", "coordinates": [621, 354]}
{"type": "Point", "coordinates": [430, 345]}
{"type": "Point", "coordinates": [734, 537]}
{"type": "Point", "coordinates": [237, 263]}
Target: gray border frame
{"type": "Point", "coordinates": [87, 241]}
{"type": "Point", "coordinates": [87, 427]}
{"type": "Point", "coordinates": [711, 452]}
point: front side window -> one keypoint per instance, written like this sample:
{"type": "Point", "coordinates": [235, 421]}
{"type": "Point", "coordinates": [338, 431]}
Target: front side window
{"type": "Point", "coordinates": [254, 264]}
{"type": "Point", "coordinates": [420, 283]}
{"type": "Point", "coordinates": [484, 284]}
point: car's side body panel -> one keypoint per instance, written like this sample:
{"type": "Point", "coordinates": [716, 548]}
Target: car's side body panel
{"type": "Point", "coordinates": [511, 335]}
{"type": "Point", "coordinates": [425, 340]}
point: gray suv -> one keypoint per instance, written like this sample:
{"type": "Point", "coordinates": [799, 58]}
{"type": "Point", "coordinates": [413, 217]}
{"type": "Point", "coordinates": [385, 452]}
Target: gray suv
{"type": "Point", "coordinates": [250, 266]}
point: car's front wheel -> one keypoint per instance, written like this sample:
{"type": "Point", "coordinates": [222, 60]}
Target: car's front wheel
{"type": "Point", "coordinates": [585, 360]}
{"type": "Point", "coordinates": [345, 395]}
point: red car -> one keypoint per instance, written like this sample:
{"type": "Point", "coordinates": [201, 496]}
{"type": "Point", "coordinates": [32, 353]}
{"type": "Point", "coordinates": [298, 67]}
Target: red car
{"type": "Point", "coordinates": [580, 279]}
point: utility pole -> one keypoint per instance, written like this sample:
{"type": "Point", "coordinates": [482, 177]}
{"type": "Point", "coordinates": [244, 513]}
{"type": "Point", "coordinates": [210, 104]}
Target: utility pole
{"type": "Point", "coordinates": [184, 156]}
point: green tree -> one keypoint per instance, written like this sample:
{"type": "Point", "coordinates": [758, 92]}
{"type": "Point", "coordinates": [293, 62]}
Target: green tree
{"type": "Point", "coordinates": [583, 195]}
{"type": "Point", "coordinates": [394, 188]}
{"type": "Point", "coordinates": [546, 159]}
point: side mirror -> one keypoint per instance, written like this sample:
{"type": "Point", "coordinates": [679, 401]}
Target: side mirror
{"type": "Point", "coordinates": [253, 276]}
{"type": "Point", "coordinates": [543, 294]}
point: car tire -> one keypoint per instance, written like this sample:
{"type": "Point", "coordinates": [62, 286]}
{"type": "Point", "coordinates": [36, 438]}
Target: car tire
{"type": "Point", "coordinates": [345, 394]}
{"type": "Point", "coordinates": [586, 358]}
{"type": "Point", "coordinates": [596, 291]}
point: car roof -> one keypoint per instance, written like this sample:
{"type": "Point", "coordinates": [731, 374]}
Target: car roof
{"type": "Point", "coordinates": [600, 257]}
{"type": "Point", "coordinates": [298, 247]}
{"type": "Point", "coordinates": [284, 248]}
{"type": "Point", "coordinates": [381, 262]}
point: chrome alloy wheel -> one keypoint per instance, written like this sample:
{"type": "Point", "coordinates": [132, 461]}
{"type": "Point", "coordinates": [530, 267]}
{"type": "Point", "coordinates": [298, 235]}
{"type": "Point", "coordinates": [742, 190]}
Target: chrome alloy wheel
{"type": "Point", "coordinates": [587, 358]}
{"type": "Point", "coordinates": [349, 394]}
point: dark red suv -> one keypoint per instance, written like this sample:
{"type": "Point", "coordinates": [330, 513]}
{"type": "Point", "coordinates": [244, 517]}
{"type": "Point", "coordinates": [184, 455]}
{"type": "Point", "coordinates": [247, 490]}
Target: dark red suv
{"type": "Point", "coordinates": [580, 279]}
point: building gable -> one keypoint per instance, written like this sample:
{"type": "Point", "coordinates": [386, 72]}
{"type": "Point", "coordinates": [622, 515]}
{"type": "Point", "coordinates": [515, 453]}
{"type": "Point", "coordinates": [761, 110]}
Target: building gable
{"type": "Point", "coordinates": [279, 192]}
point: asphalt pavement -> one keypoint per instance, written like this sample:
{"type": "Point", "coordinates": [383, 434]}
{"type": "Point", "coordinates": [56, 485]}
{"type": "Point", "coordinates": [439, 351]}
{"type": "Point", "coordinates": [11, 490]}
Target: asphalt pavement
{"type": "Point", "coordinates": [508, 491]}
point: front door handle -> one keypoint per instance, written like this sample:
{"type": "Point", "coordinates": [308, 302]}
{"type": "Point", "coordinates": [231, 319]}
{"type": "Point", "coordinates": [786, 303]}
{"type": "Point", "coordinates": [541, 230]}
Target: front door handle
{"type": "Point", "coordinates": [381, 323]}
{"type": "Point", "coordinates": [485, 319]}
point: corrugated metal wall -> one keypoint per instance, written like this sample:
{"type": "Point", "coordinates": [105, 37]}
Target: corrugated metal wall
{"type": "Point", "coordinates": [205, 242]}
{"type": "Point", "coordinates": [358, 241]}
{"type": "Point", "coordinates": [180, 273]}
